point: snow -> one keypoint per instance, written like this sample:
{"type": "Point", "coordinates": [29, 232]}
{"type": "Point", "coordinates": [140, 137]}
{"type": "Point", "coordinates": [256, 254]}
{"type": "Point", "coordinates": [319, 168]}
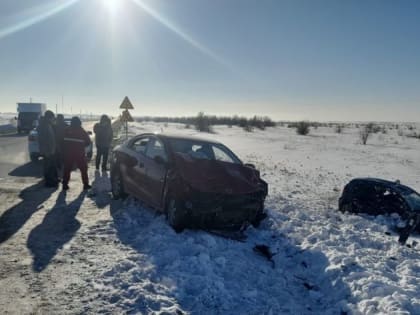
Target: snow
{"type": "Point", "coordinates": [79, 252]}
{"type": "Point", "coordinates": [7, 122]}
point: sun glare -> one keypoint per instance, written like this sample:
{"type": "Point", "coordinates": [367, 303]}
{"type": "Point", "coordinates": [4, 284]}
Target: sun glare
{"type": "Point", "coordinates": [112, 5]}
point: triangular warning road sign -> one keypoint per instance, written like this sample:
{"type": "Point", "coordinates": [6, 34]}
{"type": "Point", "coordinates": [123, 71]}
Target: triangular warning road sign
{"type": "Point", "coordinates": [126, 104]}
{"type": "Point", "coordinates": [126, 116]}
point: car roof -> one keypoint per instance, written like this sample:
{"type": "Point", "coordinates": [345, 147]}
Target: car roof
{"type": "Point", "coordinates": [174, 136]}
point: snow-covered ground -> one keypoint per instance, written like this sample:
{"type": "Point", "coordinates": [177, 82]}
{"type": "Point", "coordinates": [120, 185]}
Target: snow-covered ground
{"type": "Point", "coordinates": [7, 122]}
{"type": "Point", "coordinates": [70, 253]}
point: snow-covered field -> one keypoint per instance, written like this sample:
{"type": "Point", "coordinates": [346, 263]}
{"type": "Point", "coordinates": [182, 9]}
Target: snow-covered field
{"type": "Point", "coordinates": [7, 122]}
{"type": "Point", "coordinates": [71, 253]}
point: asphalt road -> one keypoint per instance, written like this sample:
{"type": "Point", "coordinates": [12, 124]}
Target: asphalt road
{"type": "Point", "coordinates": [14, 157]}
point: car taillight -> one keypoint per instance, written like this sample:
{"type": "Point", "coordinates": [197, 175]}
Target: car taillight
{"type": "Point", "coordinates": [32, 138]}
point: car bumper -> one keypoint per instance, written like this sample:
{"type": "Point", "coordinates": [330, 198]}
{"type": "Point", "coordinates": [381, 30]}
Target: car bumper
{"type": "Point", "coordinates": [224, 211]}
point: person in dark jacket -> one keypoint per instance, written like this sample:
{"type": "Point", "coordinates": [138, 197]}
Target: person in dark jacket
{"type": "Point", "coordinates": [75, 141]}
{"type": "Point", "coordinates": [60, 125]}
{"type": "Point", "coordinates": [103, 139]}
{"type": "Point", "coordinates": [47, 148]}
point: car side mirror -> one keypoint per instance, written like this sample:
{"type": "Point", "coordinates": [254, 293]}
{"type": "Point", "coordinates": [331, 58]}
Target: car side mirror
{"type": "Point", "coordinates": [159, 160]}
{"type": "Point", "coordinates": [89, 133]}
{"type": "Point", "coordinates": [250, 165]}
{"type": "Point", "coordinates": [15, 118]}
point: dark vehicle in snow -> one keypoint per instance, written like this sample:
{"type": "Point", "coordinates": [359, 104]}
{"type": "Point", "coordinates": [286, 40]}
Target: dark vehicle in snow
{"type": "Point", "coordinates": [377, 196]}
{"type": "Point", "coordinates": [197, 183]}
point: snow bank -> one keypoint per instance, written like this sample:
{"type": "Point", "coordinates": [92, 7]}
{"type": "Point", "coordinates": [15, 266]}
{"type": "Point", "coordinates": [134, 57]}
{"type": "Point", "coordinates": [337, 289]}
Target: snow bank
{"type": "Point", "coordinates": [7, 122]}
{"type": "Point", "coordinates": [325, 262]}
{"type": "Point", "coordinates": [116, 257]}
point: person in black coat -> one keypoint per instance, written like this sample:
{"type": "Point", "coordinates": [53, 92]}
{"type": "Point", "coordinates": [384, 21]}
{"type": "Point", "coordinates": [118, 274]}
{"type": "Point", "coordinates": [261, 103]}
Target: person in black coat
{"type": "Point", "coordinates": [103, 139]}
{"type": "Point", "coordinates": [47, 148]}
{"type": "Point", "coordinates": [60, 125]}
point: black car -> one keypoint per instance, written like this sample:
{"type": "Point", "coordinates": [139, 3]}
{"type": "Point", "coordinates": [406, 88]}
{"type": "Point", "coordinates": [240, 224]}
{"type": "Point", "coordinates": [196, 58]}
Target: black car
{"type": "Point", "coordinates": [376, 196]}
{"type": "Point", "coordinates": [196, 182]}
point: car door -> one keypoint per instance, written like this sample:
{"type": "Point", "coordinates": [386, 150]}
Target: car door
{"type": "Point", "coordinates": [156, 169]}
{"type": "Point", "coordinates": [135, 174]}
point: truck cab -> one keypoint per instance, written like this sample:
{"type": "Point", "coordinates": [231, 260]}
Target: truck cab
{"type": "Point", "coordinates": [28, 116]}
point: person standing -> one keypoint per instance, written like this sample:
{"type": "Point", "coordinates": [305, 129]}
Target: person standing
{"type": "Point", "coordinates": [60, 125]}
{"type": "Point", "coordinates": [47, 148]}
{"type": "Point", "coordinates": [75, 141]}
{"type": "Point", "coordinates": [103, 139]}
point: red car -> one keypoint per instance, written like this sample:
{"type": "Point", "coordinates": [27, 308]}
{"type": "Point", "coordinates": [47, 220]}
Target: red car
{"type": "Point", "coordinates": [197, 183]}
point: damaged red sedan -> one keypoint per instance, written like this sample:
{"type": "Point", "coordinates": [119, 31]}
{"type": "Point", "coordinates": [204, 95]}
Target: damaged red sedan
{"type": "Point", "coordinates": [197, 183]}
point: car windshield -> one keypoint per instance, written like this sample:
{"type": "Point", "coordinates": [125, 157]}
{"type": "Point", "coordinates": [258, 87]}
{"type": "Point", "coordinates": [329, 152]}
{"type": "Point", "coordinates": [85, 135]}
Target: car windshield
{"type": "Point", "coordinates": [413, 200]}
{"type": "Point", "coordinates": [203, 150]}
{"type": "Point", "coordinates": [28, 115]}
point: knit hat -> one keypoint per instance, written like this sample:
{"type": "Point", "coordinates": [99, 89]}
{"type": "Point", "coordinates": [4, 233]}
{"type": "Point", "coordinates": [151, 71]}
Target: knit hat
{"type": "Point", "coordinates": [49, 115]}
{"type": "Point", "coordinates": [75, 122]}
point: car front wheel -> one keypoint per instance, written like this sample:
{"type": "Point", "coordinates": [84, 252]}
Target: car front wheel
{"type": "Point", "coordinates": [176, 215]}
{"type": "Point", "coordinates": [261, 215]}
{"type": "Point", "coordinates": [117, 187]}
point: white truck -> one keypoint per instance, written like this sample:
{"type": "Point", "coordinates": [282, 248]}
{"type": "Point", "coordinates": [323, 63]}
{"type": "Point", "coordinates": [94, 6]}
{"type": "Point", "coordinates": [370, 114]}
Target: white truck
{"type": "Point", "coordinates": [28, 115]}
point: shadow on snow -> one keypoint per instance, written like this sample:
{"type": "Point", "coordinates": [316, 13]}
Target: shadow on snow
{"type": "Point", "coordinates": [15, 217]}
{"type": "Point", "coordinates": [30, 169]}
{"type": "Point", "coordinates": [58, 227]}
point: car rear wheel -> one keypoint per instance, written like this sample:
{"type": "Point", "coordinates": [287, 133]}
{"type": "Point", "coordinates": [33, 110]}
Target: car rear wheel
{"type": "Point", "coordinates": [176, 216]}
{"type": "Point", "coordinates": [117, 186]}
{"type": "Point", "coordinates": [261, 215]}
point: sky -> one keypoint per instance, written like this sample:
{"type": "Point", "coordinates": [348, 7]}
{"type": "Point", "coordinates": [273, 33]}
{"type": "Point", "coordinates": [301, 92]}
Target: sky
{"type": "Point", "coordinates": [290, 60]}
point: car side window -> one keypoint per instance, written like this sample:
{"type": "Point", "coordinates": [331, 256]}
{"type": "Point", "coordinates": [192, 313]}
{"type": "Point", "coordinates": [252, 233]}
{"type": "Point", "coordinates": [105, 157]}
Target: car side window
{"type": "Point", "coordinates": [200, 151]}
{"type": "Point", "coordinates": [156, 148]}
{"type": "Point", "coordinates": [140, 145]}
{"type": "Point", "coordinates": [359, 190]}
{"type": "Point", "coordinates": [219, 155]}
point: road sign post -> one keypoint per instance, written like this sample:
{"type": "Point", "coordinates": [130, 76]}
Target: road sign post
{"type": "Point", "coordinates": [126, 116]}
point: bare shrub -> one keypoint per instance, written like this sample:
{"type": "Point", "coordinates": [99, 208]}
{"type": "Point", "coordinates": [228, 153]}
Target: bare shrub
{"type": "Point", "coordinates": [375, 128]}
{"type": "Point", "coordinates": [202, 123]}
{"type": "Point", "coordinates": [413, 135]}
{"type": "Point", "coordinates": [365, 132]}
{"type": "Point", "coordinates": [248, 128]}
{"type": "Point", "coordinates": [302, 128]}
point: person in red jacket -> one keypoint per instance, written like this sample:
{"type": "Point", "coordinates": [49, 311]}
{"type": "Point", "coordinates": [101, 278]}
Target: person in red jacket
{"type": "Point", "coordinates": [75, 141]}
